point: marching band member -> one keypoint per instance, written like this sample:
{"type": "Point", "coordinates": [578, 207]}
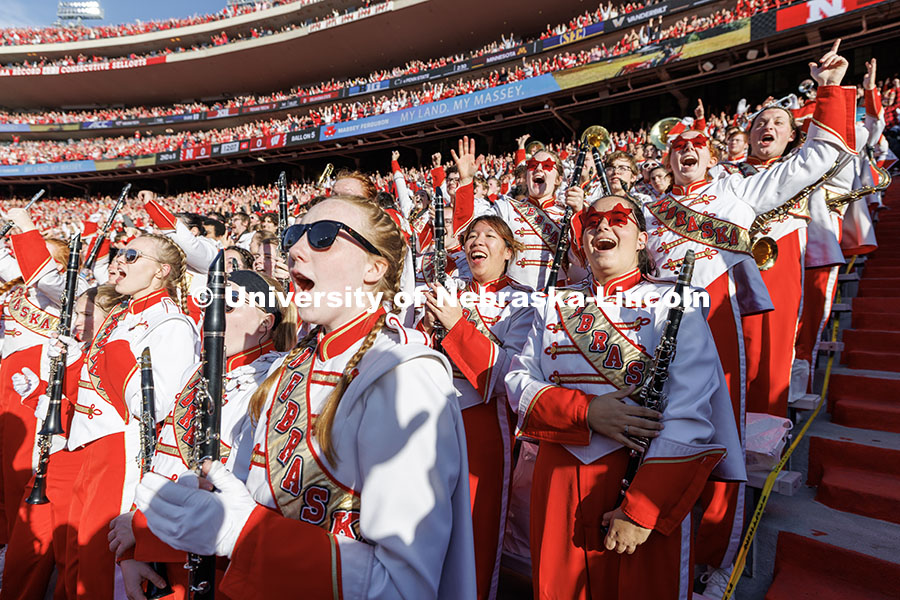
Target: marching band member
{"type": "Point", "coordinates": [535, 220]}
{"type": "Point", "coordinates": [255, 337]}
{"type": "Point", "coordinates": [373, 500]}
{"type": "Point", "coordinates": [105, 425]}
{"type": "Point", "coordinates": [572, 381]}
{"type": "Point", "coordinates": [482, 338]}
{"type": "Point", "coordinates": [712, 218]}
{"type": "Point", "coordinates": [30, 316]}
{"type": "Point", "coordinates": [40, 530]}
{"type": "Point", "coordinates": [826, 244]}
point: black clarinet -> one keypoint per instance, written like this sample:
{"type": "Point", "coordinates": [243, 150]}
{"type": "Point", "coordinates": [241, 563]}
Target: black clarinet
{"type": "Point", "coordinates": [651, 395]}
{"type": "Point", "coordinates": [9, 224]}
{"type": "Point", "coordinates": [439, 332]}
{"type": "Point", "coordinates": [101, 235]}
{"type": "Point", "coordinates": [601, 171]}
{"type": "Point", "coordinates": [53, 421]}
{"type": "Point", "coordinates": [283, 220]}
{"type": "Point", "coordinates": [148, 446]}
{"type": "Point", "coordinates": [562, 247]}
{"type": "Point", "coordinates": [208, 417]}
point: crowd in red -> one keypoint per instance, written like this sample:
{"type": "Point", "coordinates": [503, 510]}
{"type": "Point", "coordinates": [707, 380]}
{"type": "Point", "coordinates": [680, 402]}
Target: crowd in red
{"type": "Point", "coordinates": [43, 151]}
{"type": "Point", "coordinates": [19, 36]}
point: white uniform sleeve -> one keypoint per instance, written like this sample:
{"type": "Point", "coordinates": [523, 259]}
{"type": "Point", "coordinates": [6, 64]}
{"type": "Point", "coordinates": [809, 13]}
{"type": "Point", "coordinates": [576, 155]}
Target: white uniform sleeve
{"type": "Point", "coordinates": [199, 251]}
{"type": "Point", "coordinates": [412, 459]}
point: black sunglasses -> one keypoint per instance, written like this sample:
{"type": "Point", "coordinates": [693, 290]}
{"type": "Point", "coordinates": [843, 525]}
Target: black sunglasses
{"type": "Point", "coordinates": [321, 235]}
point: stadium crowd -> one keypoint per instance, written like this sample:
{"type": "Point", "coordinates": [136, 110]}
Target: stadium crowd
{"type": "Point", "coordinates": [634, 39]}
{"type": "Point", "coordinates": [45, 151]}
{"type": "Point", "coordinates": [21, 36]}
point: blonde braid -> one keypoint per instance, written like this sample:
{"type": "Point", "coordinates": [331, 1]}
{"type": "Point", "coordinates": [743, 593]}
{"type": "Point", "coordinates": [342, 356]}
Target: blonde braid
{"type": "Point", "coordinates": [175, 283]}
{"type": "Point", "coordinates": [325, 419]}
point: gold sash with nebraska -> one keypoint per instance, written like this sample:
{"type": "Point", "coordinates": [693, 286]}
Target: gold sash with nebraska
{"type": "Point", "coordinates": [617, 359]}
{"type": "Point", "coordinates": [474, 316]}
{"type": "Point", "coordinates": [698, 227]}
{"type": "Point", "coordinates": [183, 423]}
{"type": "Point", "coordinates": [543, 224]}
{"type": "Point", "coordinates": [28, 314]}
{"type": "Point", "coordinates": [300, 485]}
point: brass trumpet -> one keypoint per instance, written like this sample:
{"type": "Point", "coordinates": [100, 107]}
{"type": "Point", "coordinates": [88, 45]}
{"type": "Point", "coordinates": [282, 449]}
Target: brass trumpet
{"type": "Point", "coordinates": [329, 169]}
{"type": "Point", "coordinates": [659, 133]}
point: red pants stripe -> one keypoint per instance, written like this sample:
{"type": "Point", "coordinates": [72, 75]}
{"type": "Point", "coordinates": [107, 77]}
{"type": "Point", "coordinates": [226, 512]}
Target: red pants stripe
{"type": "Point", "coordinates": [719, 531]}
{"type": "Point", "coordinates": [569, 561]}
{"type": "Point", "coordinates": [490, 456]}
{"type": "Point", "coordinates": [39, 535]}
{"type": "Point", "coordinates": [96, 500]}
{"type": "Point", "coordinates": [769, 337]}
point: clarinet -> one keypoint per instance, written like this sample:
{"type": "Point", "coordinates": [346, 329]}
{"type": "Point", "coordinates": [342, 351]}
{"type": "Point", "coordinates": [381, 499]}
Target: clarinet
{"type": "Point", "coordinates": [562, 247]}
{"type": "Point", "coordinates": [651, 395]}
{"type": "Point", "coordinates": [148, 445]}
{"type": "Point", "coordinates": [53, 421]}
{"type": "Point", "coordinates": [439, 332]}
{"type": "Point", "coordinates": [9, 224]}
{"type": "Point", "coordinates": [601, 171]}
{"type": "Point", "coordinates": [95, 250]}
{"type": "Point", "coordinates": [283, 220]}
{"type": "Point", "coordinates": [208, 417]}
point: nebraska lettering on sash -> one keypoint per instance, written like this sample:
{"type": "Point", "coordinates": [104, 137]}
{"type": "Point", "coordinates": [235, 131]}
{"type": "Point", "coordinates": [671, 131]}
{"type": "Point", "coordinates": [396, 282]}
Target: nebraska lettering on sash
{"type": "Point", "coordinates": [300, 484]}
{"type": "Point", "coordinates": [540, 222]}
{"type": "Point", "coordinates": [183, 421]}
{"type": "Point", "coordinates": [618, 359]}
{"type": "Point", "coordinates": [29, 315]}
{"type": "Point", "coordinates": [699, 227]}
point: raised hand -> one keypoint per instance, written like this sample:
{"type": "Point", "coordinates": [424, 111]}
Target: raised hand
{"type": "Point", "coordinates": [466, 162]}
{"type": "Point", "coordinates": [831, 68]}
{"type": "Point", "coordinates": [869, 77]}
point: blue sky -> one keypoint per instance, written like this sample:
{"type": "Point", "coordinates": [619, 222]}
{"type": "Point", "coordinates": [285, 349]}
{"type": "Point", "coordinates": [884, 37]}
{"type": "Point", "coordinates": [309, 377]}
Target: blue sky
{"type": "Point", "coordinates": [40, 13]}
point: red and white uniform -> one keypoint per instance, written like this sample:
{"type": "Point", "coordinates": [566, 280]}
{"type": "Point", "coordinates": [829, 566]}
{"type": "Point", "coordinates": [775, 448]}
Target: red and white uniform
{"type": "Point", "coordinates": [35, 533]}
{"type": "Point", "coordinates": [481, 347]}
{"type": "Point", "coordinates": [105, 426]}
{"type": "Point", "coordinates": [574, 353]}
{"type": "Point", "coordinates": [244, 373]}
{"type": "Point", "coordinates": [712, 218]}
{"type": "Point", "coordinates": [827, 243]}
{"type": "Point", "coordinates": [537, 227]}
{"type": "Point", "coordinates": [769, 337]}
{"type": "Point", "coordinates": [392, 518]}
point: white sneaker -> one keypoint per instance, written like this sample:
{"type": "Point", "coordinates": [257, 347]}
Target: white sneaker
{"type": "Point", "coordinates": [716, 581]}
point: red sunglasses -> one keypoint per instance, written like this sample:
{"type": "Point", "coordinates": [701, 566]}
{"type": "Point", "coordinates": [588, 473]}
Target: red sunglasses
{"type": "Point", "coordinates": [699, 141]}
{"type": "Point", "coordinates": [618, 216]}
{"type": "Point", "coordinates": [549, 164]}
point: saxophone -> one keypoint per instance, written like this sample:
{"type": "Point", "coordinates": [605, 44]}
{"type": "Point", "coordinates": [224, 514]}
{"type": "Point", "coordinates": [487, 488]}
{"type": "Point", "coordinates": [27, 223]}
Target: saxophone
{"type": "Point", "coordinates": [763, 248]}
{"type": "Point", "coordinates": [884, 180]}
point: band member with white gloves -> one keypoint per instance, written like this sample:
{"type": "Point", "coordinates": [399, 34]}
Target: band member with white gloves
{"type": "Point", "coordinates": [105, 426]}
{"type": "Point", "coordinates": [371, 502]}
{"type": "Point", "coordinates": [485, 330]}
{"type": "Point", "coordinates": [256, 336]}
{"type": "Point", "coordinates": [581, 363]}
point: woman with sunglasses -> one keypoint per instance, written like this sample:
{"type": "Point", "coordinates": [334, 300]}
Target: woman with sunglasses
{"type": "Point", "coordinates": [256, 336]}
{"type": "Point", "coordinates": [482, 337]}
{"type": "Point", "coordinates": [711, 217]}
{"type": "Point", "coordinates": [535, 220]}
{"type": "Point", "coordinates": [37, 540]}
{"type": "Point", "coordinates": [584, 358]}
{"type": "Point", "coordinates": [105, 429]}
{"type": "Point", "coordinates": [357, 480]}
